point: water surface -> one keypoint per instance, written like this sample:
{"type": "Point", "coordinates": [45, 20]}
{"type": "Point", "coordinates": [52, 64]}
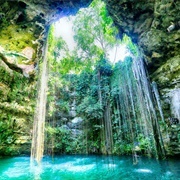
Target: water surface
{"type": "Point", "coordinates": [89, 168]}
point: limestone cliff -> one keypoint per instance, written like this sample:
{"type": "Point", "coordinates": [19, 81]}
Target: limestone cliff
{"type": "Point", "coordinates": [23, 29]}
{"type": "Point", "coordinates": [154, 25]}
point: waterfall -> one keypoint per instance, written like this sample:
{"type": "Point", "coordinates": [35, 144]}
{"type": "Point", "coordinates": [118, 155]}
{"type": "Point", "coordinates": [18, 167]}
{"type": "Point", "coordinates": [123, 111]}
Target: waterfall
{"type": "Point", "coordinates": [175, 103]}
{"type": "Point", "coordinates": [151, 115]}
{"type": "Point", "coordinates": [156, 93]}
{"type": "Point", "coordinates": [136, 109]}
{"type": "Point", "coordinates": [157, 98]}
{"type": "Point", "coordinates": [37, 147]}
{"type": "Point", "coordinates": [108, 129]}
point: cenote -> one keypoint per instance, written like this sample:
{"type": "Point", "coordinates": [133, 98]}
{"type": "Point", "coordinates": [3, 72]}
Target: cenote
{"type": "Point", "coordinates": [89, 90]}
{"type": "Point", "coordinates": [91, 167]}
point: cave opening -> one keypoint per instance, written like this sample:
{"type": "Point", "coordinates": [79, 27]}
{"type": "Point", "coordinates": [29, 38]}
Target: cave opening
{"type": "Point", "coordinates": [95, 99]}
{"type": "Point", "coordinates": [99, 99]}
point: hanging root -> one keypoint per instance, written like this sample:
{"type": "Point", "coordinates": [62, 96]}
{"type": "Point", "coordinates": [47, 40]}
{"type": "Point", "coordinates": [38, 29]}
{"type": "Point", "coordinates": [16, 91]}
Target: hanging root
{"type": "Point", "coordinates": [135, 158]}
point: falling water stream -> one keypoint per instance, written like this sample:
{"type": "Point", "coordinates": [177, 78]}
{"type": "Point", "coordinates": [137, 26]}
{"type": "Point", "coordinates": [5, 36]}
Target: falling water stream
{"type": "Point", "coordinates": [156, 93]}
{"type": "Point", "coordinates": [175, 103]}
{"type": "Point", "coordinates": [37, 147]}
{"type": "Point", "coordinates": [136, 109]}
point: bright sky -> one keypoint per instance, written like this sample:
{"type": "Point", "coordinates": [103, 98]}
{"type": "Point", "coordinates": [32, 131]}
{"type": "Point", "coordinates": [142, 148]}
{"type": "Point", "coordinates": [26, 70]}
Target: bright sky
{"type": "Point", "coordinates": [118, 53]}
{"type": "Point", "coordinates": [63, 28]}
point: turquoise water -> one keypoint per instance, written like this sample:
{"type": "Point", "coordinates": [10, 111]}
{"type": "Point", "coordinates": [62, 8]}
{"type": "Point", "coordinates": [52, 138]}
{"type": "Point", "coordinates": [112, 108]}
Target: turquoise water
{"type": "Point", "coordinates": [89, 168]}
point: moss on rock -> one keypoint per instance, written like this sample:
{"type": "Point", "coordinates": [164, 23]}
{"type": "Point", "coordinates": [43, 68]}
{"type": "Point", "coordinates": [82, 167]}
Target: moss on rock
{"type": "Point", "coordinates": [17, 104]}
{"type": "Point", "coordinates": [168, 75]}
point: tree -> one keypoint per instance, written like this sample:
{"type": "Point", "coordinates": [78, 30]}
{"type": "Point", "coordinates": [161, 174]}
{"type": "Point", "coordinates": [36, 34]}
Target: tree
{"type": "Point", "coordinates": [94, 31]}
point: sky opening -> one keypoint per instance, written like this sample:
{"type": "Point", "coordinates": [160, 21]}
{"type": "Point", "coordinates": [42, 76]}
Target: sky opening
{"type": "Point", "coordinates": [63, 28]}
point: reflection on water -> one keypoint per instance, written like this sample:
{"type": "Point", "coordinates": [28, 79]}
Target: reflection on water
{"type": "Point", "coordinates": [88, 167]}
{"type": "Point", "coordinates": [144, 170]}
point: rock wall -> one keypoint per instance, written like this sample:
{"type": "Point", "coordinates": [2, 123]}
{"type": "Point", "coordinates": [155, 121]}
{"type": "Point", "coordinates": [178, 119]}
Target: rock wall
{"type": "Point", "coordinates": [17, 102]}
{"type": "Point", "coordinates": [154, 25]}
{"type": "Point", "coordinates": [24, 24]}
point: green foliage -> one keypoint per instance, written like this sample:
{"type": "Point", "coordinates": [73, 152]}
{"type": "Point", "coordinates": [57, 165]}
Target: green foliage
{"type": "Point", "coordinates": [8, 135]}
{"type": "Point", "coordinates": [17, 102]}
{"type": "Point", "coordinates": [63, 106]}
{"type": "Point", "coordinates": [104, 67]}
{"type": "Point", "coordinates": [94, 31]}
{"type": "Point", "coordinates": [144, 142]}
{"type": "Point", "coordinates": [90, 108]}
{"type": "Point", "coordinates": [130, 45]}
{"type": "Point", "coordinates": [64, 141]}
{"type": "Point", "coordinates": [98, 88]}
{"type": "Point", "coordinates": [55, 47]}
{"type": "Point", "coordinates": [24, 37]}
{"type": "Point", "coordinates": [122, 148]}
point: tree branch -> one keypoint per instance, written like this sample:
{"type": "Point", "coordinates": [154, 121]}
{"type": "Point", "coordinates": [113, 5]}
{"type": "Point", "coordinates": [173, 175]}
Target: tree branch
{"type": "Point", "coordinates": [11, 65]}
